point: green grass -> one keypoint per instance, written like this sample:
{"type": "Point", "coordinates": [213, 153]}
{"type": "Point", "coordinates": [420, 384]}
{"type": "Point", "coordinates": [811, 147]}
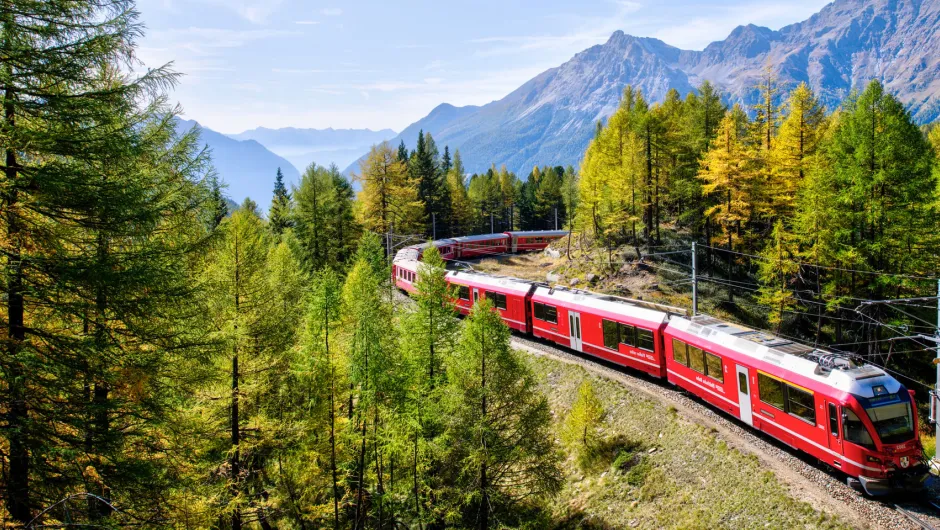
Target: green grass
{"type": "Point", "coordinates": [930, 444]}
{"type": "Point", "coordinates": [661, 471]}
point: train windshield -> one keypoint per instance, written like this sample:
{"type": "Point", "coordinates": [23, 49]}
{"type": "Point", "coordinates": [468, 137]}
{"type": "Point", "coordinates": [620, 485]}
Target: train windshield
{"type": "Point", "coordinates": [892, 419]}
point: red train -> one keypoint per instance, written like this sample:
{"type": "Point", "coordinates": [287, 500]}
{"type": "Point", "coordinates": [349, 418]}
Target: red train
{"type": "Point", "coordinates": [856, 418]}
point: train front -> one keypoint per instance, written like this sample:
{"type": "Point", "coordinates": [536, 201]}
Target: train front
{"type": "Point", "coordinates": [879, 424]}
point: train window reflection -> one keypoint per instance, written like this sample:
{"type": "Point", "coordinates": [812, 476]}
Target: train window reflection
{"type": "Point", "coordinates": [853, 430]}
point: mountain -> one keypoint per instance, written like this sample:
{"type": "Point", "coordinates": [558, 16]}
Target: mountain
{"type": "Point", "coordinates": [551, 118]}
{"type": "Point", "coordinates": [244, 165]}
{"type": "Point", "coordinates": [323, 146]}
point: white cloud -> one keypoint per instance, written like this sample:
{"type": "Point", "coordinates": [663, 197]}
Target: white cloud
{"type": "Point", "coordinates": [331, 12]}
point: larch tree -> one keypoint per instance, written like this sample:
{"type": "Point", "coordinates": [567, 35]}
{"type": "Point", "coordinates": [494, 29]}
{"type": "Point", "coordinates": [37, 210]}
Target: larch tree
{"type": "Point", "coordinates": [800, 135]}
{"type": "Point", "coordinates": [323, 218]}
{"type": "Point", "coordinates": [100, 214]}
{"type": "Point", "coordinates": [579, 430]}
{"type": "Point", "coordinates": [498, 425]}
{"type": "Point", "coordinates": [462, 209]}
{"type": "Point", "coordinates": [389, 199]}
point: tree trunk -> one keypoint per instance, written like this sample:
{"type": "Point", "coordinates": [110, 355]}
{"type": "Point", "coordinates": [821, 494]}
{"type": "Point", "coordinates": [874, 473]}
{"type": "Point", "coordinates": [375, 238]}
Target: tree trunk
{"type": "Point", "coordinates": [236, 431]}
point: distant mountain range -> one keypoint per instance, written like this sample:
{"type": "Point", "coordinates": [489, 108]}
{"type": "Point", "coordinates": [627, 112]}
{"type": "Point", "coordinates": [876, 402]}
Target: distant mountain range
{"type": "Point", "coordinates": [551, 118]}
{"type": "Point", "coordinates": [246, 166]}
{"type": "Point", "coordinates": [323, 146]}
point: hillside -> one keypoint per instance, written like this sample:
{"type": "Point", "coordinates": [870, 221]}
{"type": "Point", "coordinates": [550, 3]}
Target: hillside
{"type": "Point", "coordinates": [245, 166]}
{"type": "Point", "coordinates": [550, 119]}
{"type": "Point", "coordinates": [323, 146]}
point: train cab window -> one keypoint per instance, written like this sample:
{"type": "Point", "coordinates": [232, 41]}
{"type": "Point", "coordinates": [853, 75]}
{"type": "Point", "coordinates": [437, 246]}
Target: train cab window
{"type": "Point", "coordinates": [628, 334]}
{"type": "Point", "coordinates": [463, 292]}
{"type": "Point", "coordinates": [679, 353]}
{"type": "Point", "coordinates": [713, 367]}
{"type": "Point", "coordinates": [546, 313]}
{"type": "Point", "coordinates": [771, 391]}
{"type": "Point", "coordinates": [696, 359]}
{"type": "Point", "coordinates": [853, 430]}
{"type": "Point", "coordinates": [801, 404]}
{"type": "Point", "coordinates": [498, 300]}
{"type": "Point", "coordinates": [833, 420]}
{"type": "Point", "coordinates": [611, 334]}
{"type": "Point", "coordinates": [742, 384]}
{"type": "Point", "coordinates": [644, 339]}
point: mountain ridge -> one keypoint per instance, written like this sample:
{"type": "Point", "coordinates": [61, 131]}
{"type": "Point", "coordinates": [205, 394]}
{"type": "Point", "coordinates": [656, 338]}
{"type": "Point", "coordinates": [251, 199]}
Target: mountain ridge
{"type": "Point", "coordinates": [551, 118]}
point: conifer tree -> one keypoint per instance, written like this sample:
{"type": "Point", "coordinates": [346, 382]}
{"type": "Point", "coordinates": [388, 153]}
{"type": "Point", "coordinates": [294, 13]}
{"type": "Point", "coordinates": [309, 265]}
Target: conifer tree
{"type": "Point", "coordinates": [425, 170]}
{"type": "Point", "coordinates": [498, 424]}
{"type": "Point", "coordinates": [101, 209]}
{"type": "Point", "coordinates": [462, 209]}
{"type": "Point", "coordinates": [402, 152]}
{"type": "Point", "coordinates": [579, 431]}
{"type": "Point", "coordinates": [389, 198]}
{"type": "Point", "coordinates": [776, 273]}
{"type": "Point", "coordinates": [801, 132]}
{"type": "Point", "coordinates": [323, 217]}
{"type": "Point", "coordinates": [446, 162]}
{"type": "Point", "coordinates": [279, 216]}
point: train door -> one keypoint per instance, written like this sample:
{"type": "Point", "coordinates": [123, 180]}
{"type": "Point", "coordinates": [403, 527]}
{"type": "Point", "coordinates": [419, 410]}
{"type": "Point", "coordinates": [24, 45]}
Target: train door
{"type": "Point", "coordinates": [832, 427]}
{"type": "Point", "coordinates": [515, 244]}
{"type": "Point", "coordinates": [744, 395]}
{"type": "Point", "coordinates": [574, 329]}
{"type": "Point", "coordinates": [476, 295]}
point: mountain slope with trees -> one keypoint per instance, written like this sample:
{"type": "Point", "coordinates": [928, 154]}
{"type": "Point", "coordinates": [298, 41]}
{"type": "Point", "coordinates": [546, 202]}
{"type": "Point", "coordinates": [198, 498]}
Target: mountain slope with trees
{"type": "Point", "coordinates": [551, 118]}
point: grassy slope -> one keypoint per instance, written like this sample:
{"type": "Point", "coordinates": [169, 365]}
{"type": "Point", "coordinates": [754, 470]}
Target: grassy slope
{"type": "Point", "coordinates": [682, 476]}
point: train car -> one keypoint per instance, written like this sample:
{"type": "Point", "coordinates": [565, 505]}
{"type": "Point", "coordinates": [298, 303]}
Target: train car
{"type": "Point", "coordinates": [508, 295]}
{"type": "Point", "coordinates": [447, 248]}
{"type": "Point", "coordinates": [481, 245]}
{"type": "Point", "coordinates": [405, 273]}
{"type": "Point", "coordinates": [855, 418]}
{"type": "Point", "coordinates": [612, 328]}
{"type": "Point", "coordinates": [533, 240]}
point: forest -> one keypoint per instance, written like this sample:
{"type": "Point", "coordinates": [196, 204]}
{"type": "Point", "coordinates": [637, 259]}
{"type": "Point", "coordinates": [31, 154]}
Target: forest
{"type": "Point", "coordinates": [170, 362]}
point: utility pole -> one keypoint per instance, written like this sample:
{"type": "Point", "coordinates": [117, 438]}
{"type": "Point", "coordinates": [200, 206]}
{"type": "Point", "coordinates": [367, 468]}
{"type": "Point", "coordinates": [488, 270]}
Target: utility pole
{"type": "Point", "coordinates": [433, 226]}
{"type": "Point", "coordinates": [695, 287]}
{"type": "Point", "coordinates": [556, 218]}
{"type": "Point", "coordinates": [491, 223]}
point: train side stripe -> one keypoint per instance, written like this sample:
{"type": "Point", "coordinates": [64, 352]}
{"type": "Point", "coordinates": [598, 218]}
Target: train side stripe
{"type": "Point", "coordinates": [716, 394]}
{"type": "Point", "coordinates": [824, 448]}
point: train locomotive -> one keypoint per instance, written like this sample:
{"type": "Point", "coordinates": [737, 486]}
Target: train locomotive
{"type": "Point", "coordinates": [854, 417]}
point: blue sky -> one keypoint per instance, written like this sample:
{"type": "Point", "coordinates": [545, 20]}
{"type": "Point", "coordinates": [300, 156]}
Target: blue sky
{"type": "Point", "coordinates": [378, 63]}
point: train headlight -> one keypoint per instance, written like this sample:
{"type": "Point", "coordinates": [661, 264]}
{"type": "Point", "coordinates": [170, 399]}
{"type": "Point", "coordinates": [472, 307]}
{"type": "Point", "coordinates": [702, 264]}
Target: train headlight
{"type": "Point", "coordinates": [874, 459]}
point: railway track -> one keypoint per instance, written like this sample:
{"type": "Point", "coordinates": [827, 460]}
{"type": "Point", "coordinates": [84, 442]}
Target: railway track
{"type": "Point", "coordinates": [915, 518]}
{"type": "Point", "coordinates": [795, 468]}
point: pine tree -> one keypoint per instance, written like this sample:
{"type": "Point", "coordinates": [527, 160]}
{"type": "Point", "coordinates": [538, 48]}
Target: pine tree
{"type": "Point", "coordinates": [498, 431]}
{"type": "Point", "coordinates": [424, 169]}
{"type": "Point", "coordinates": [446, 163]}
{"type": "Point", "coordinates": [402, 152]}
{"type": "Point", "coordinates": [279, 217]}
{"type": "Point", "coordinates": [706, 113]}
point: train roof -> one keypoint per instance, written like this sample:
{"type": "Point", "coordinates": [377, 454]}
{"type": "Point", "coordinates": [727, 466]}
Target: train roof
{"type": "Point", "coordinates": [613, 305]}
{"type": "Point", "coordinates": [537, 233]}
{"type": "Point", "coordinates": [829, 368]}
{"type": "Point", "coordinates": [503, 283]}
{"type": "Point", "coordinates": [481, 237]}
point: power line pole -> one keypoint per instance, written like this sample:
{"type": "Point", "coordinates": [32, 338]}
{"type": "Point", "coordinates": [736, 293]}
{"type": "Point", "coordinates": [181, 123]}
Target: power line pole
{"type": "Point", "coordinates": [695, 286]}
{"type": "Point", "coordinates": [556, 218]}
{"type": "Point", "coordinates": [491, 223]}
{"type": "Point", "coordinates": [433, 226]}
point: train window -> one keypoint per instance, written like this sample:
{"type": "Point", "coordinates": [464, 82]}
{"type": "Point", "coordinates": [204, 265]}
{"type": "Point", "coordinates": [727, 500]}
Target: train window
{"type": "Point", "coordinates": [853, 430]}
{"type": "Point", "coordinates": [713, 367]}
{"type": "Point", "coordinates": [833, 420]}
{"type": "Point", "coordinates": [742, 384]}
{"type": "Point", "coordinates": [644, 339]}
{"type": "Point", "coordinates": [611, 334]}
{"type": "Point", "coordinates": [498, 299]}
{"type": "Point", "coordinates": [546, 312]}
{"type": "Point", "coordinates": [679, 353]}
{"type": "Point", "coordinates": [801, 404]}
{"type": "Point", "coordinates": [696, 359]}
{"type": "Point", "coordinates": [463, 292]}
{"type": "Point", "coordinates": [628, 334]}
{"type": "Point", "coordinates": [771, 391]}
